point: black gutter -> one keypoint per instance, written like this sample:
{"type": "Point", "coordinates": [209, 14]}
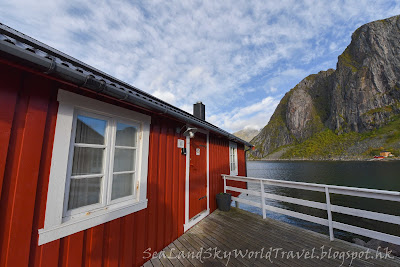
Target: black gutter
{"type": "Point", "coordinates": [17, 46]}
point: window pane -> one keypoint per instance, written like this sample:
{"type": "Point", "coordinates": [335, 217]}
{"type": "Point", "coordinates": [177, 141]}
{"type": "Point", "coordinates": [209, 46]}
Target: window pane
{"type": "Point", "coordinates": [124, 159]}
{"type": "Point", "coordinates": [87, 160]}
{"type": "Point", "coordinates": [122, 185]}
{"type": "Point", "coordinates": [126, 135]}
{"type": "Point", "coordinates": [84, 192]}
{"type": "Point", "coordinates": [90, 130]}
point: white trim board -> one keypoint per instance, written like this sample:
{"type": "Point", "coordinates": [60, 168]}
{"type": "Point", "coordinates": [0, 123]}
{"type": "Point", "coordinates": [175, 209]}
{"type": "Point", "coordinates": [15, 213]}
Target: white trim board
{"type": "Point", "coordinates": [189, 223]}
{"type": "Point", "coordinates": [56, 225]}
{"type": "Point", "coordinates": [197, 219]}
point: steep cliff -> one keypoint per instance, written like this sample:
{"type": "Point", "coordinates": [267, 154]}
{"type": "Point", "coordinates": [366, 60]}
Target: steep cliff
{"type": "Point", "coordinates": [366, 90]}
{"type": "Point", "coordinates": [360, 96]}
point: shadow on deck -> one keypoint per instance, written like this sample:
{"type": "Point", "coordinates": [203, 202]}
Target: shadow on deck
{"type": "Point", "coordinates": [262, 243]}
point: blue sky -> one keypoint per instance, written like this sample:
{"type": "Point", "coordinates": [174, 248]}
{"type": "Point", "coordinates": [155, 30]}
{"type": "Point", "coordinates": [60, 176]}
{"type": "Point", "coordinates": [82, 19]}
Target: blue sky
{"type": "Point", "coordinates": [238, 57]}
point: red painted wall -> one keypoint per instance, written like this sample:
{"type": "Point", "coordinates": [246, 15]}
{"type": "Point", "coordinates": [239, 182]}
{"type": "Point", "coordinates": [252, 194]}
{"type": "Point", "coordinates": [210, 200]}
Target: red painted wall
{"type": "Point", "coordinates": [28, 110]}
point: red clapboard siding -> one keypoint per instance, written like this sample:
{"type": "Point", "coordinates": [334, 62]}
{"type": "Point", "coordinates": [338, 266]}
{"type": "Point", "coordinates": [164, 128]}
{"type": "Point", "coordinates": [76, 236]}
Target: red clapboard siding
{"type": "Point", "coordinates": [46, 255]}
{"type": "Point", "coordinates": [152, 184]}
{"type": "Point", "coordinates": [94, 246]}
{"type": "Point", "coordinates": [219, 164]}
{"type": "Point", "coordinates": [169, 187]}
{"type": "Point", "coordinates": [22, 171]}
{"type": "Point", "coordinates": [126, 246]}
{"type": "Point", "coordinates": [27, 127]}
{"type": "Point", "coordinates": [9, 88]}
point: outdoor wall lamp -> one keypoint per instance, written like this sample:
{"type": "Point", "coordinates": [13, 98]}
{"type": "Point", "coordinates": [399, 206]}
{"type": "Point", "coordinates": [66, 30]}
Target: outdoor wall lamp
{"type": "Point", "coordinates": [190, 132]}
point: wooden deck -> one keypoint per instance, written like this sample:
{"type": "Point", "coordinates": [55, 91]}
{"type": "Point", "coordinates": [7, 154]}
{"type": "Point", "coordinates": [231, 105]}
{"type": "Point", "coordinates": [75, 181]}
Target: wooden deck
{"type": "Point", "coordinates": [242, 230]}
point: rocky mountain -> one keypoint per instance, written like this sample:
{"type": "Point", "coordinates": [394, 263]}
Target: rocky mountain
{"type": "Point", "coordinates": [349, 104]}
{"type": "Point", "coordinates": [246, 134]}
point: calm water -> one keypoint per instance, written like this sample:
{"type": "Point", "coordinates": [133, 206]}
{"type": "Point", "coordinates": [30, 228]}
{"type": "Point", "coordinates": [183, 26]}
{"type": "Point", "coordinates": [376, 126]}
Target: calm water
{"type": "Point", "coordinates": [371, 174]}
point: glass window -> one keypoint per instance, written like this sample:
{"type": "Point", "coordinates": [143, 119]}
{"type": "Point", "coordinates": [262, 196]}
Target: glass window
{"type": "Point", "coordinates": [124, 161]}
{"type": "Point", "coordinates": [233, 158]}
{"type": "Point", "coordinates": [98, 167]}
{"type": "Point", "coordinates": [101, 144]}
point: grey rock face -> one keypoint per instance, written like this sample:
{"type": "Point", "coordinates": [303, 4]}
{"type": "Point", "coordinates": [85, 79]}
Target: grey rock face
{"type": "Point", "coordinates": [362, 94]}
{"type": "Point", "coordinates": [298, 116]}
{"type": "Point", "coordinates": [299, 113]}
{"type": "Point", "coordinates": [366, 90]}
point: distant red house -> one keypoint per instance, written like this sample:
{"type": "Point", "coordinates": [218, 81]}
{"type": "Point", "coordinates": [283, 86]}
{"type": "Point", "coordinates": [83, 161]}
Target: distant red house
{"type": "Point", "coordinates": [94, 171]}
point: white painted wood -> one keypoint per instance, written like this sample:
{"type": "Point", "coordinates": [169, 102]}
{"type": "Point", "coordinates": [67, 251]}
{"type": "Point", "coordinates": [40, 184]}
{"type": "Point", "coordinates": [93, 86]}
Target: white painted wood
{"type": "Point", "coordinates": [244, 191]}
{"type": "Point", "coordinates": [335, 189]}
{"type": "Point", "coordinates": [187, 180]}
{"type": "Point", "coordinates": [366, 232]}
{"type": "Point", "coordinates": [367, 214]}
{"type": "Point", "coordinates": [57, 226]}
{"type": "Point", "coordinates": [328, 209]}
{"type": "Point", "coordinates": [197, 219]}
{"type": "Point", "coordinates": [224, 184]}
{"type": "Point", "coordinates": [187, 220]}
{"type": "Point", "coordinates": [62, 230]}
{"type": "Point", "coordinates": [298, 215]}
{"type": "Point", "coordinates": [245, 201]}
{"type": "Point", "coordinates": [328, 189]}
{"type": "Point", "coordinates": [262, 191]}
{"type": "Point", "coordinates": [236, 170]}
{"type": "Point", "coordinates": [307, 203]}
{"type": "Point", "coordinates": [384, 195]}
{"type": "Point", "coordinates": [208, 171]}
{"type": "Point", "coordinates": [58, 169]}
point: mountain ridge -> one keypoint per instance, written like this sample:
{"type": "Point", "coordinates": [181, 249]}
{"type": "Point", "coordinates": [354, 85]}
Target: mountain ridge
{"type": "Point", "coordinates": [347, 104]}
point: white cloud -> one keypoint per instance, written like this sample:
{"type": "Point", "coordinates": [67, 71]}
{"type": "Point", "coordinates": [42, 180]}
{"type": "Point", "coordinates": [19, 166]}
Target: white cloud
{"type": "Point", "coordinates": [218, 52]}
{"type": "Point", "coordinates": [254, 116]}
{"type": "Point", "coordinates": [273, 89]}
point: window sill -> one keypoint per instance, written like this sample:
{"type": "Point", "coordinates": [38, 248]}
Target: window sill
{"type": "Point", "coordinates": [92, 220]}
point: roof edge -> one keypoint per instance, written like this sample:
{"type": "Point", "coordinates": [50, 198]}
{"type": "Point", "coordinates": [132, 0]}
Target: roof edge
{"type": "Point", "coordinates": [55, 63]}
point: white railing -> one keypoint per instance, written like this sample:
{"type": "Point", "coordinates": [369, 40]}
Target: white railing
{"type": "Point", "coordinates": [327, 206]}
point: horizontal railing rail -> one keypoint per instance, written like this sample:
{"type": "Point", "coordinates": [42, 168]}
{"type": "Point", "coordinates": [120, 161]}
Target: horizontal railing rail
{"type": "Point", "coordinates": [327, 206]}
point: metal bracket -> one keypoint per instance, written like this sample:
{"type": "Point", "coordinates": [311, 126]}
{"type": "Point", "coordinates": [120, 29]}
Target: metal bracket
{"type": "Point", "coordinates": [101, 87]}
{"type": "Point", "coordinates": [87, 79]}
{"type": "Point", "coordinates": [52, 66]}
{"type": "Point", "coordinates": [125, 97]}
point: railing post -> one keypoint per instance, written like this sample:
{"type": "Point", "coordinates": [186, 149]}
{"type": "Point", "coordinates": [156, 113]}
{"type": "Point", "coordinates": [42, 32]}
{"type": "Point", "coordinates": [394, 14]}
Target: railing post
{"type": "Point", "coordinates": [328, 209]}
{"type": "Point", "coordinates": [224, 184]}
{"type": "Point", "coordinates": [263, 199]}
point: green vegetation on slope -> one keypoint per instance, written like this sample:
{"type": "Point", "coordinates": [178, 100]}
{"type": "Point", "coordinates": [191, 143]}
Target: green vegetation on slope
{"type": "Point", "coordinates": [323, 144]}
{"type": "Point", "coordinates": [327, 144]}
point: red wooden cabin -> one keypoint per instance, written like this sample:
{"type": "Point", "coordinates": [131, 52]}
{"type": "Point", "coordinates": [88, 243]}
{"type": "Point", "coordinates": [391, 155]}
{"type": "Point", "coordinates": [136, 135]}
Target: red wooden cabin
{"type": "Point", "coordinates": [94, 171]}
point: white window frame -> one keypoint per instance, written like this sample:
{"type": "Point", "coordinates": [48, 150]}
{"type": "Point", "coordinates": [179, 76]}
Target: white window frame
{"type": "Point", "coordinates": [234, 146]}
{"type": "Point", "coordinates": [58, 221]}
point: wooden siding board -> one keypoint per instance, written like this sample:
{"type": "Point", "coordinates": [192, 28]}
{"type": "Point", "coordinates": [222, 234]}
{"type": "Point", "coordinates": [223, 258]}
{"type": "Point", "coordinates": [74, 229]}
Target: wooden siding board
{"type": "Point", "coordinates": [6, 203]}
{"type": "Point", "coordinates": [93, 244]}
{"type": "Point", "coordinates": [37, 253]}
{"type": "Point", "coordinates": [49, 254]}
{"type": "Point", "coordinates": [126, 246]}
{"type": "Point", "coordinates": [152, 189]}
{"type": "Point", "coordinates": [71, 250]}
{"type": "Point", "coordinates": [140, 221]}
{"type": "Point", "coordinates": [111, 248]}
{"type": "Point", "coordinates": [161, 189]}
{"type": "Point", "coordinates": [9, 88]}
{"type": "Point", "coordinates": [175, 187]}
{"type": "Point", "coordinates": [169, 186]}
{"type": "Point", "coordinates": [25, 174]}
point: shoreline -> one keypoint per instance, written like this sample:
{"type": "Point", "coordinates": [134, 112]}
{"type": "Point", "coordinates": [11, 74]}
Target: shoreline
{"type": "Point", "coordinates": [331, 159]}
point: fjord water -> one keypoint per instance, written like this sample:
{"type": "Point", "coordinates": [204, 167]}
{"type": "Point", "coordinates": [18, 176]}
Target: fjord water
{"type": "Point", "coordinates": [383, 175]}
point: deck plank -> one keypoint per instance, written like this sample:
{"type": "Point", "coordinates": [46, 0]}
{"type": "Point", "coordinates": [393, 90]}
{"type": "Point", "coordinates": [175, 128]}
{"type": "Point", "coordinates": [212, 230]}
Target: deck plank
{"type": "Point", "coordinates": [242, 230]}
